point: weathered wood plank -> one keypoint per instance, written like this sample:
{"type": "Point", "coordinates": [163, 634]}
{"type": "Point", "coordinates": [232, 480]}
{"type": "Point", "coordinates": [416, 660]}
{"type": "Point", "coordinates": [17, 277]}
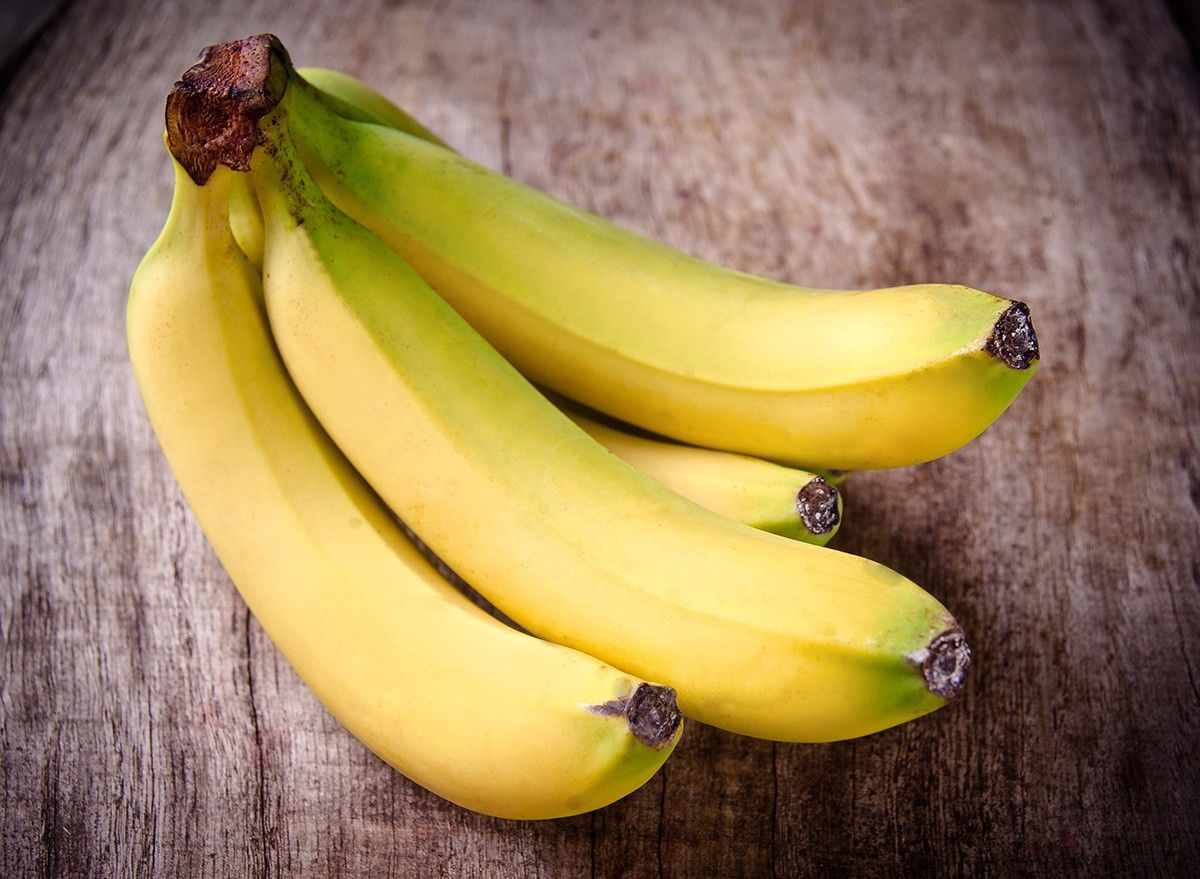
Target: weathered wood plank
{"type": "Point", "coordinates": [1046, 152]}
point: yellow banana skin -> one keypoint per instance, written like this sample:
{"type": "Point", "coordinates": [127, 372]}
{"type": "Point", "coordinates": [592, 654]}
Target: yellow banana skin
{"type": "Point", "coordinates": [759, 634]}
{"type": "Point", "coordinates": [485, 716]}
{"type": "Point", "coordinates": [783, 500]}
{"type": "Point", "coordinates": [713, 357]}
{"type": "Point", "coordinates": [245, 219]}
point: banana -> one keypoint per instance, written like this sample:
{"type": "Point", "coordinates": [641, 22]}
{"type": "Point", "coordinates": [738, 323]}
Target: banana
{"type": "Point", "coordinates": [702, 354]}
{"type": "Point", "coordinates": [483, 715]}
{"type": "Point", "coordinates": [758, 634]}
{"type": "Point", "coordinates": [785, 501]}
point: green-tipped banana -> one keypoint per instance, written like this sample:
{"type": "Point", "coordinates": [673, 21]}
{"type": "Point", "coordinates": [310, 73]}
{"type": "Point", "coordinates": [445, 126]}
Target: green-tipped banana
{"type": "Point", "coordinates": [479, 713]}
{"type": "Point", "coordinates": [713, 357]}
{"type": "Point", "coordinates": [759, 634]}
{"type": "Point", "coordinates": [771, 497]}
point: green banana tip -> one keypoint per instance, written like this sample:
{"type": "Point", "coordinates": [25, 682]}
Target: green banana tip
{"type": "Point", "coordinates": [944, 662]}
{"type": "Point", "coordinates": [817, 506]}
{"type": "Point", "coordinates": [213, 111]}
{"type": "Point", "coordinates": [1013, 340]}
{"type": "Point", "coordinates": [651, 712]}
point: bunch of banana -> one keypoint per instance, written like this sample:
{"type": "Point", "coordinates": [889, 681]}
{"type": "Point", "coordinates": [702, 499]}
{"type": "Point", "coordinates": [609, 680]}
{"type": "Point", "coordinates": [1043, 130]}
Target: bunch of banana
{"type": "Point", "coordinates": [343, 313]}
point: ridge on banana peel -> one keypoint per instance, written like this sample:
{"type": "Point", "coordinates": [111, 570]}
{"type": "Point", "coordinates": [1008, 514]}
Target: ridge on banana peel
{"type": "Point", "coordinates": [770, 497]}
{"type": "Point", "coordinates": [478, 713]}
{"type": "Point", "coordinates": [758, 634]}
{"type": "Point", "coordinates": [706, 355]}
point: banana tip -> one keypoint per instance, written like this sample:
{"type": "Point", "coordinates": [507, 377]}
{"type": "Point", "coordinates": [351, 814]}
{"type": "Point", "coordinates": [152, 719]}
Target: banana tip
{"type": "Point", "coordinates": [213, 110]}
{"type": "Point", "coordinates": [1013, 340]}
{"type": "Point", "coordinates": [944, 663]}
{"type": "Point", "coordinates": [817, 506]}
{"type": "Point", "coordinates": [650, 711]}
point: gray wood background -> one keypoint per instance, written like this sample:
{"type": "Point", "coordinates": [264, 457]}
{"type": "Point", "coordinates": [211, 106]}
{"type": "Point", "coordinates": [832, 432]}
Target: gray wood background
{"type": "Point", "coordinates": [1045, 151]}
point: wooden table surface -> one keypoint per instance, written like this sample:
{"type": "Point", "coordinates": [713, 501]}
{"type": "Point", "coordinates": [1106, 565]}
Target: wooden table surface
{"type": "Point", "coordinates": [1046, 152]}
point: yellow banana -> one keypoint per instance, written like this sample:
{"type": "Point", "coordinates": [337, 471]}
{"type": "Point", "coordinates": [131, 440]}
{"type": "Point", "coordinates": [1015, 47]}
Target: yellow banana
{"type": "Point", "coordinates": [770, 497]}
{"type": "Point", "coordinates": [713, 357]}
{"type": "Point", "coordinates": [758, 634]}
{"type": "Point", "coordinates": [483, 715]}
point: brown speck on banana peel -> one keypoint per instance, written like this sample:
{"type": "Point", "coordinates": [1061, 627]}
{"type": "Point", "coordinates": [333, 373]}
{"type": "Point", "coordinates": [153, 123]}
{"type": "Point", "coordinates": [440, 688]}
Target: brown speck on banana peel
{"type": "Point", "coordinates": [817, 506]}
{"type": "Point", "coordinates": [1013, 340]}
{"type": "Point", "coordinates": [213, 110]}
{"type": "Point", "coordinates": [944, 663]}
{"type": "Point", "coordinates": [651, 712]}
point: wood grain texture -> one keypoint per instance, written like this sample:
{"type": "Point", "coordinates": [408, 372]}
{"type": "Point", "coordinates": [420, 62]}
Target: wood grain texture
{"type": "Point", "coordinates": [1048, 152]}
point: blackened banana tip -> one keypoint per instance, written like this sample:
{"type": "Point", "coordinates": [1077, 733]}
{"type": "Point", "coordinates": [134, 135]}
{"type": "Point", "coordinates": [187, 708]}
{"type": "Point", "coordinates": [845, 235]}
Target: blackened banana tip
{"type": "Point", "coordinates": [650, 710]}
{"type": "Point", "coordinates": [817, 506]}
{"type": "Point", "coordinates": [1013, 340]}
{"type": "Point", "coordinates": [944, 663]}
{"type": "Point", "coordinates": [653, 714]}
{"type": "Point", "coordinates": [213, 110]}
